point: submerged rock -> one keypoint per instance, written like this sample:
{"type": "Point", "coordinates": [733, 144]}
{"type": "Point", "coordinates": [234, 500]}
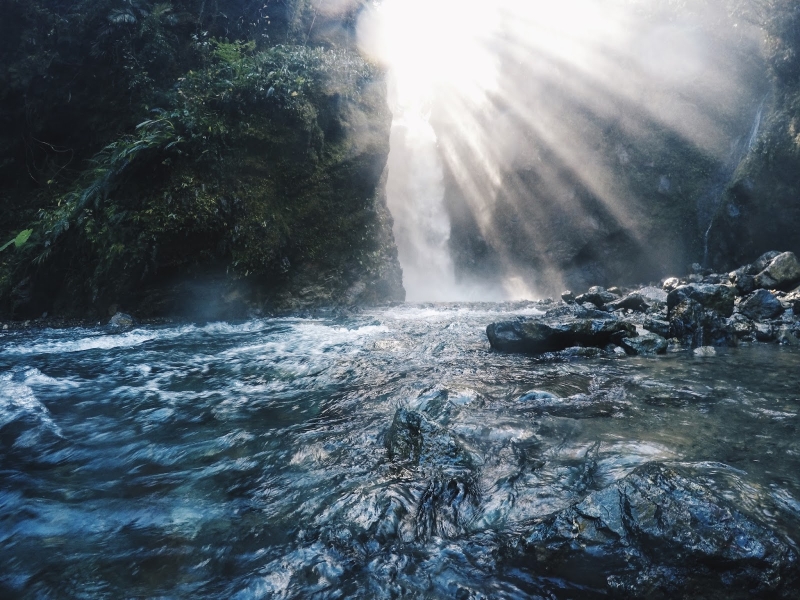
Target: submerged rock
{"type": "Point", "coordinates": [657, 533]}
{"type": "Point", "coordinates": [534, 336]}
{"type": "Point", "coordinates": [414, 439]}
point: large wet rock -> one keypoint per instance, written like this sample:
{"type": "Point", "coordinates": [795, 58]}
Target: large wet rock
{"type": "Point", "coordinates": [451, 495]}
{"type": "Point", "coordinates": [783, 272]}
{"type": "Point", "coordinates": [657, 533]}
{"type": "Point", "coordinates": [657, 326]}
{"type": "Point", "coordinates": [413, 438]}
{"type": "Point", "coordinates": [792, 300]}
{"type": "Point", "coordinates": [760, 305]}
{"type": "Point", "coordinates": [536, 336]}
{"type": "Point", "coordinates": [598, 296]}
{"type": "Point", "coordinates": [646, 343]}
{"type": "Point", "coordinates": [719, 298]}
{"type": "Point", "coordinates": [695, 326]}
{"type": "Point", "coordinates": [634, 301]}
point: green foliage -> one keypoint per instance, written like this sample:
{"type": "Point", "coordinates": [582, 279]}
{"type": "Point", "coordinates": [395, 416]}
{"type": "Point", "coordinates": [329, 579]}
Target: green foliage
{"type": "Point", "coordinates": [19, 240]}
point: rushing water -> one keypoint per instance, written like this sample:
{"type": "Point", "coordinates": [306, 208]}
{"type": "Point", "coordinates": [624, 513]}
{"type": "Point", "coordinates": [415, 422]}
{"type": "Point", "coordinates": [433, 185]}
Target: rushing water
{"type": "Point", "coordinates": [249, 460]}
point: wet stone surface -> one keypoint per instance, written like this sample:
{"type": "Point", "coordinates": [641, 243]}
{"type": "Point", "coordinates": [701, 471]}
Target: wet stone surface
{"type": "Point", "coordinates": [393, 454]}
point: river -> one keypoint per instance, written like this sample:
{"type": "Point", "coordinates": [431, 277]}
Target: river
{"type": "Point", "coordinates": [250, 460]}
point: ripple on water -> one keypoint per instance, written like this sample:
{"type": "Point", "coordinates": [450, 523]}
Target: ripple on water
{"type": "Point", "coordinates": [254, 460]}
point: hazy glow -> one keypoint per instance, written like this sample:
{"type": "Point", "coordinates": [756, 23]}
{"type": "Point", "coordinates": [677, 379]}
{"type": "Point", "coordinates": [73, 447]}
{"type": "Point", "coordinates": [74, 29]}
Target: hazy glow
{"type": "Point", "coordinates": [511, 101]}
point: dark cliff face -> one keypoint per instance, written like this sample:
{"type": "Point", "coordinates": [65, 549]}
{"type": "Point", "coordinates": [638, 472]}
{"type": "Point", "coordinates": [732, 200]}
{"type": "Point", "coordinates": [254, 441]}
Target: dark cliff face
{"type": "Point", "coordinates": [225, 162]}
{"type": "Point", "coordinates": [761, 205]}
{"type": "Point", "coordinates": [609, 185]}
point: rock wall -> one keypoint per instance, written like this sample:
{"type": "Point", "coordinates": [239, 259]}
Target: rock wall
{"type": "Point", "coordinates": [246, 175]}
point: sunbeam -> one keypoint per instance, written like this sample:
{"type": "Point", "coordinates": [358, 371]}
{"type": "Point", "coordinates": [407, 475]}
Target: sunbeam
{"type": "Point", "coordinates": [542, 125]}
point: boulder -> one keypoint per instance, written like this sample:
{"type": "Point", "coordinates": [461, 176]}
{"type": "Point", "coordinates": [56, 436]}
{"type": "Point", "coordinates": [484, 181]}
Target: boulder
{"type": "Point", "coordinates": [744, 283]}
{"type": "Point", "coordinates": [719, 298]}
{"type": "Point", "coordinates": [741, 325]}
{"type": "Point", "coordinates": [568, 297]}
{"type": "Point", "coordinates": [641, 300]}
{"type": "Point", "coordinates": [764, 332]}
{"type": "Point", "coordinates": [762, 262]}
{"type": "Point", "coordinates": [670, 284]}
{"type": "Point", "coordinates": [696, 326]}
{"type": "Point", "coordinates": [788, 336]}
{"type": "Point", "coordinates": [792, 300]}
{"type": "Point", "coordinates": [653, 295]}
{"type": "Point", "coordinates": [536, 336]}
{"type": "Point", "coordinates": [597, 296]}
{"type": "Point", "coordinates": [644, 344]}
{"type": "Point", "coordinates": [760, 305]}
{"type": "Point", "coordinates": [783, 272]}
{"type": "Point", "coordinates": [121, 321]}
{"type": "Point", "coordinates": [415, 440]}
{"type": "Point", "coordinates": [658, 533]}
{"type": "Point", "coordinates": [657, 326]}
{"type": "Point", "coordinates": [634, 301]}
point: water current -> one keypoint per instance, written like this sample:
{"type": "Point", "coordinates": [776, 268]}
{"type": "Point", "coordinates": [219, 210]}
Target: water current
{"type": "Point", "coordinates": [250, 460]}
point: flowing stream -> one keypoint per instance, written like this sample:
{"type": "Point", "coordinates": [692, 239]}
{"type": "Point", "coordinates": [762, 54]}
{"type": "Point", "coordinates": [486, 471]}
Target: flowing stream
{"type": "Point", "coordinates": [250, 460]}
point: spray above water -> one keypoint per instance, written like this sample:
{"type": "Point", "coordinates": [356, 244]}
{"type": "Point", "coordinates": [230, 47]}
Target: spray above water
{"type": "Point", "coordinates": [434, 50]}
{"type": "Point", "coordinates": [518, 126]}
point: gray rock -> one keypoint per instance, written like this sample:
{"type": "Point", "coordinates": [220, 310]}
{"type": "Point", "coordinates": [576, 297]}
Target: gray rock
{"type": "Point", "coordinates": [745, 284]}
{"type": "Point", "coordinates": [760, 305]}
{"type": "Point", "coordinates": [764, 332]}
{"type": "Point", "coordinates": [634, 301]}
{"type": "Point", "coordinates": [121, 321]}
{"type": "Point", "coordinates": [597, 296]}
{"type": "Point", "coordinates": [576, 311]}
{"type": "Point", "coordinates": [414, 439]}
{"type": "Point", "coordinates": [657, 533]}
{"type": "Point", "coordinates": [653, 295]}
{"type": "Point", "coordinates": [694, 326]}
{"type": "Point", "coordinates": [644, 344]}
{"type": "Point", "coordinates": [792, 299]}
{"type": "Point", "coordinates": [719, 298]}
{"type": "Point", "coordinates": [670, 284]}
{"type": "Point", "coordinates": [783, 272]}
{"type": "Point", "coordinates": [568, 297]}
{"type": "Point", "coordinates": [741, 325]}
{"type": "Point", "coordinates": [536, 336]}
{"type": "Point", "coordinates": [788, 336]}
{"type": "Point", "coordinates": [762, 262]}
{"type": "Point", "coordinates": [657, 326]}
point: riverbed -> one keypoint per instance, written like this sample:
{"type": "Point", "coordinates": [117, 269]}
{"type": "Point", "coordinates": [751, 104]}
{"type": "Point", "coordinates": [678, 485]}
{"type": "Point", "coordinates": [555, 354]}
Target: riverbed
{"type": "Point", "coordinates": [255, 459]}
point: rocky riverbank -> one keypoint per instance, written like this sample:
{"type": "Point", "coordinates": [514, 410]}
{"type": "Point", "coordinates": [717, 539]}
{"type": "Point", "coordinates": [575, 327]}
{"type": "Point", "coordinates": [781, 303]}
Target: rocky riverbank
{"type": "Point", "coordinates": [758, 302]}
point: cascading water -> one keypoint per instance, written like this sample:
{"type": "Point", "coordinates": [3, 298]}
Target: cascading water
{"type": "Point", "coordinates": [415, 192]}
{"type": "Point", "coordinates": [740, 148]}
{"type": "Point", "coordinates": [438, 63]}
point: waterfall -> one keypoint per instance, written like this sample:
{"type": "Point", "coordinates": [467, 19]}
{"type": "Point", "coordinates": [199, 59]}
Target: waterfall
{"type": "Point", "coordinates": [415, 192]}
{"type": "Point", "coordinates": [739, 150]}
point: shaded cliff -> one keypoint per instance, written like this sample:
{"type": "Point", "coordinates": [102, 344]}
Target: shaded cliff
{"type": "Point", "coordinates": [190, 158]}
{"type": "Point", "coordinates": [615, 158]}
{"type": "Point", "coordinates": [761, 205]}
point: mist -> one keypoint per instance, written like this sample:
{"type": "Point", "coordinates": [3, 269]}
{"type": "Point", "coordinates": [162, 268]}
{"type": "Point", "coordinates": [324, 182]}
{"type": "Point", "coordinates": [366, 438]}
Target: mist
{"type": "Point", "coordinates": [533, 143]}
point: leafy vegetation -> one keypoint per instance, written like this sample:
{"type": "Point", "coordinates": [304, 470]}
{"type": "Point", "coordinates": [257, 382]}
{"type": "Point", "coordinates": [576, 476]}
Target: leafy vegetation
{"type": "Point", "coordinates": [237, 152]}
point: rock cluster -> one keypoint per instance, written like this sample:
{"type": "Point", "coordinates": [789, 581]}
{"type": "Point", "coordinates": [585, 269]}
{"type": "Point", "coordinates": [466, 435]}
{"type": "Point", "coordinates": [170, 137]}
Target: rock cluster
{"type": "Point", "coordinates": [756, 302]}
{"type": "Point", "coordinates": [658, 533]}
